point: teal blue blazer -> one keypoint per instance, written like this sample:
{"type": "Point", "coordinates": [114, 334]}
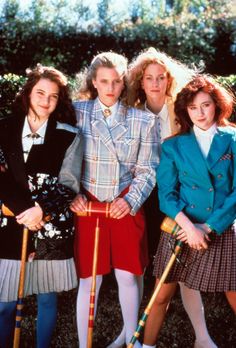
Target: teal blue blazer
{"type": "Point", "coordinates": [204, 189]}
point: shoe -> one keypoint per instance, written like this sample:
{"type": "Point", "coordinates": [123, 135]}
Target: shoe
{"type": "Point", "coordinates": [204, 344]}
{"type": "Point", "coordinates": [115, 345]}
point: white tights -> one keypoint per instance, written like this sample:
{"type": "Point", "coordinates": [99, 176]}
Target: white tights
{"type": "Point", "coordinates": [129, 297]}
{"type": "Point", "coordinates": [193, 305]}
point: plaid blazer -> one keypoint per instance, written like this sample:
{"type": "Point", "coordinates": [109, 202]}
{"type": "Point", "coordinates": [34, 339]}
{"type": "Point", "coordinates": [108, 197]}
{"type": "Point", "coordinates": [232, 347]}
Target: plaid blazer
{"type": "Point", "coordinates": [120, 157]}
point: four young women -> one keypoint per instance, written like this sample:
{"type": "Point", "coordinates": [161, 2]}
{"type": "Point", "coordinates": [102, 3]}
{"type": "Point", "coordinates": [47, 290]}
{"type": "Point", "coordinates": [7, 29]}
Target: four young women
{"type": "Point", "coordinates": [121, 151]}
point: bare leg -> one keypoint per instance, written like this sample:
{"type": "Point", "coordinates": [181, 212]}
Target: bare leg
{"type": "Point", "coordinates": [231, 297]}
{"type": "Point", "coordinates": [158, 313]}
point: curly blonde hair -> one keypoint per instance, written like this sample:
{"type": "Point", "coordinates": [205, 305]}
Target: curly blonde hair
{"type": "Point", "coordinates": [178, 75]}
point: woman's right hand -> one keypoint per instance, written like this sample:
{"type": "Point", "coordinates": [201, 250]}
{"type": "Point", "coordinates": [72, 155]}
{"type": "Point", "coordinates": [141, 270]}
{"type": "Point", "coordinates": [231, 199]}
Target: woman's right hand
{"type": "Point", "coordinates": [31, 218]}
{"type": "Point", "coordinates": [79, 203]}
{"type": "Point", "coordinates": [196, 237]}
{"type": "Point", "coordinates": [191, 233]}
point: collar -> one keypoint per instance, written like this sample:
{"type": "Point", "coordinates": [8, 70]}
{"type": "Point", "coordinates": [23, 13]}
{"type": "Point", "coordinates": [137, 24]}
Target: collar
{"type": "Point", "coordinates": [205, 133]}
{"type": "Point", "coordinates": [113, 108]}
{"type": "Point", "coordinates": [163, 114]}
{"type": "Point", "coordinates": [27, 131]}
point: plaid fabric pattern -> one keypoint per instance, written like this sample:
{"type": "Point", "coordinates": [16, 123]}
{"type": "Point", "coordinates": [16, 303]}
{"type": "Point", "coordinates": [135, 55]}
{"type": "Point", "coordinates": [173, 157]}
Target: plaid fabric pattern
{"type": "Point", "coordinates": [2, 158]}
{"type": "Point", "coordinates": [117, 157]}
{"type": "Point", "coordinates": [227, 156]}
{"type": "Point", "coordinates": [211, 270]}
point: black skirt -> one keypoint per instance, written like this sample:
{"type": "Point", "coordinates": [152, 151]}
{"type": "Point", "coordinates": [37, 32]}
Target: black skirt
{"type": "Point", "coordinates": [211, 270]}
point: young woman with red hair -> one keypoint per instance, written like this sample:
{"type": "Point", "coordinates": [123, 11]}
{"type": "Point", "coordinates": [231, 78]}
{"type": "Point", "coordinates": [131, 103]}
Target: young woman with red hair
{"type": "Point", "coordinates": [197, 188]}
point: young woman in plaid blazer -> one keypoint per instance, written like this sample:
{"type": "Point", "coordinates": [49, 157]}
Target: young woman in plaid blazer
{"type": "Point", "coordinates": [118, 167]}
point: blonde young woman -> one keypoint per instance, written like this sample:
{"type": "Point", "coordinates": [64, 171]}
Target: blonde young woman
{"type": "Point", "coordinates": [118, 167]}
{"type": "Point", "coordinates": [154, 80]}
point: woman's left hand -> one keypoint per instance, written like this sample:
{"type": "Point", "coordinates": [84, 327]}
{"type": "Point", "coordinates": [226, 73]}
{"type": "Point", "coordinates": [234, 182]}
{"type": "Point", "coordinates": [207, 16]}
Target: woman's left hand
{"type": "Point", "coordinates": [119, 208]}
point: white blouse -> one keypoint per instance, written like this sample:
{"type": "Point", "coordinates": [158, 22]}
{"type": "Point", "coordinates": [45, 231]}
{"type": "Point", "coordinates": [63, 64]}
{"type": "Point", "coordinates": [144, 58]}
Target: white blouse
{"type": "Point", "coordinates": [164, 121]}
{"type": "Point", "coordinates": [29, 139]}
{"type": "Point", "coordinates": [204, 138]}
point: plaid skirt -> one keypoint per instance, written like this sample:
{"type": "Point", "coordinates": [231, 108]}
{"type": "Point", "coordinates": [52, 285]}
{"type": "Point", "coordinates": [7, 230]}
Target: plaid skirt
{"type": "Point", "coordinates": [41, 276]}
{"type": "Point", "coordinates": [210, 270]}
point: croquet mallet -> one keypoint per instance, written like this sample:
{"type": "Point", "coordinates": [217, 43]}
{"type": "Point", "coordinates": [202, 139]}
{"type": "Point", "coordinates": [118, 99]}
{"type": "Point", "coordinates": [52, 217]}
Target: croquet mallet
{"type": "Point", "coordinates": [170, 226]}
{"type": "Point", "coordinates": [19, 305]}
{"type": "Point", "coordinates": [95, 209]}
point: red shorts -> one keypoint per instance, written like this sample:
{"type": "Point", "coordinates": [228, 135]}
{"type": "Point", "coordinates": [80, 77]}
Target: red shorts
{"type": "Point", "coordinates": [122, 244]}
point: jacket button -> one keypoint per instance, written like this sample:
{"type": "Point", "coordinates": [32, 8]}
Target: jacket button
{"type": "Point", "coordinates": [210, 189]}
{"type": "Point", "coordinates": [219, 176]}
{"type": "Point", "coordinates": [114, 181]}
{"type": "Point", "coordinates": [192, 206]}
{"type": "Point", "coordinates": [93, 181]}
{"type": "Point", "coordinates": [184, 173]}
{"type": "Point", "coordinates": [209, 208]}
{"type": "Point", "coordinates": [194, 187]}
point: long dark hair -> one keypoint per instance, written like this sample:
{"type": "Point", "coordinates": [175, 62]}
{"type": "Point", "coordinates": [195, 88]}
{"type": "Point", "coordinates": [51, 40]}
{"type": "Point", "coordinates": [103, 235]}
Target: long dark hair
{"type": "Point", "coordinates": [223, 99]}
{"type": "Point", "coordinates": [64, 111]}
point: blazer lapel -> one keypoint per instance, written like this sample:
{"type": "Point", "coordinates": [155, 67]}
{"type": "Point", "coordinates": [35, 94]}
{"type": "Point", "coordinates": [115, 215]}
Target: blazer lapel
{"type": "Point", "coordinates": [191, 150]}
{"type": "Point", "coordinates": [100, 127]}
{"type": "Point", "coordinates": [119, 128]}
{"type": "Point", "coordinates": [218, 147]}
{"type": "Point", "coordinates": [16, 157]}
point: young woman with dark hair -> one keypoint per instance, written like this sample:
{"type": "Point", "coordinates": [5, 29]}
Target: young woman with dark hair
{"type": "Point", "coordinates": [36, 140]}
{"type": "Point", "coordinates": [197, 188]}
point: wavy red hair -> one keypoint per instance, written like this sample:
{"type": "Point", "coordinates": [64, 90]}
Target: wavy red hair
{"type": "Point", "coordinates": [222, 97]}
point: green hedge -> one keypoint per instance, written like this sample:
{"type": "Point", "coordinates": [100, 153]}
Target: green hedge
{"type": "Point", "coordinates": [11, 83]}
{"type": "Point", "coordinates": [205, 34]}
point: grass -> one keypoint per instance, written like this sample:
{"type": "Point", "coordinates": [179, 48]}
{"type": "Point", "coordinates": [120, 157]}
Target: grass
{"type": "Point", "coordinates": [177, 331]}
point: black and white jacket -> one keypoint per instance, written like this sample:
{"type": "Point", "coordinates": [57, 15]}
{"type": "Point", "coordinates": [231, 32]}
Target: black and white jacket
{"type": "Point", "coordinates": [36, 180]}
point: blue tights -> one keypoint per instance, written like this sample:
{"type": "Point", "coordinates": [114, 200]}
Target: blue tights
{"type": "Point", "coordinates": [7, 323]}
{"type": "Point", "coordinates": [47, 316]}
{"type": "Point", "coordinates": [46, 320]}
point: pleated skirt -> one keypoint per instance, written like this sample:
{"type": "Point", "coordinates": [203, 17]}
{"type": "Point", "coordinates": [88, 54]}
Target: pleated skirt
{"type": "Point", "coordinates": [41, 276]}
{"type": "Point", "coordinates": [211, 270]}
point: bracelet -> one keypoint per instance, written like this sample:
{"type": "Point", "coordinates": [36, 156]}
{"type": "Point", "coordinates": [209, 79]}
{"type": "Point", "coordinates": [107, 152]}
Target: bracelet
{"type": "Point", "coordinates": [208, 228]}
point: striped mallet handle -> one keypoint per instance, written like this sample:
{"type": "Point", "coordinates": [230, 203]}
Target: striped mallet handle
{"type": "Point", "coordinates": [96, 209]}
{"type": "Point", "coordinates": [93, 288]}
{"type": "Point", "coordinates": [19, 305]}
{"type": "Point", "coordinates": [170, 226]}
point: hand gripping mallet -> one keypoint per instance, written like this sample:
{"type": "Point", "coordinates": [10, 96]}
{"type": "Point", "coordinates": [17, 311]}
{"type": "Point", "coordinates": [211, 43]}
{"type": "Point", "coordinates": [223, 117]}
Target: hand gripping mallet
{"type": "Point", "coordinates": [95, 209]}
{"type": "Point", "coordinates": [19, 305]}
{"type": "Point", "coordinates": [170, 226]}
